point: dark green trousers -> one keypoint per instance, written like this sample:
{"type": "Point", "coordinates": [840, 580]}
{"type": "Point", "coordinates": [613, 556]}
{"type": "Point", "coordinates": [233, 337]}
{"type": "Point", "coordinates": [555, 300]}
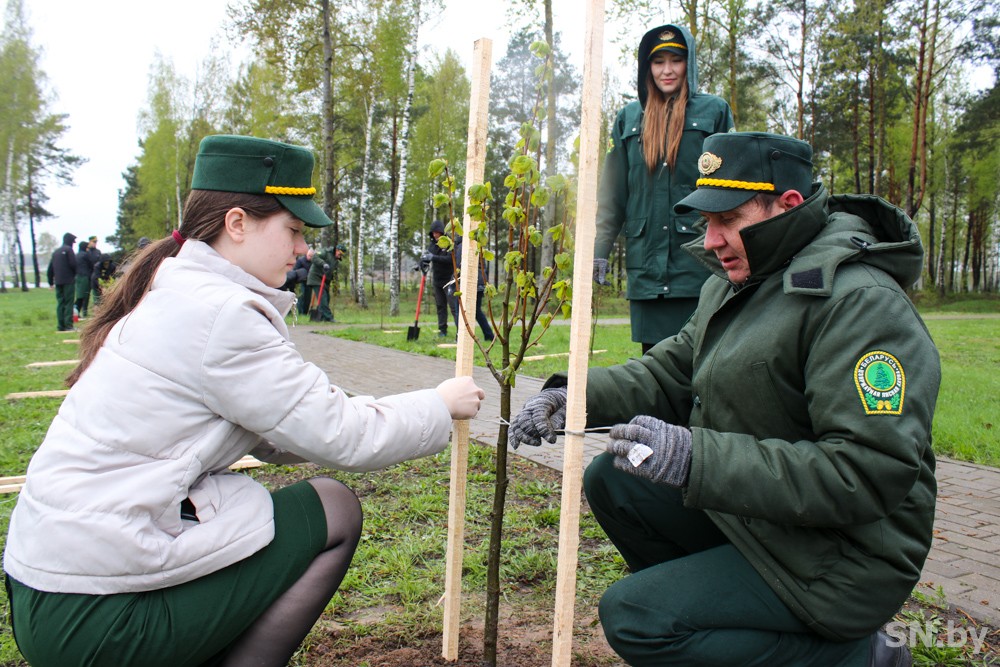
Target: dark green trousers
{"type": "Point", "coordinates": [693, 599]}
{"type": "Point", "coordinates": [65, 295]}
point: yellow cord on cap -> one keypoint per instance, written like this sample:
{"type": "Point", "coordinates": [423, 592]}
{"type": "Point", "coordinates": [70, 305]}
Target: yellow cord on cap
{"type": "Point", "coordinates": [282, 190]}
{"type": "Point", "coordinates": [736, 185]}
{"type": "Point", "coordinates": [665, 45]}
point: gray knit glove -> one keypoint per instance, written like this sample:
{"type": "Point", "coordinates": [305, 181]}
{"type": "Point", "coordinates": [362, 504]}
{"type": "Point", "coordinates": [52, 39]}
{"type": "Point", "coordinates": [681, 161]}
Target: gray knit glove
{"type": "Point", "coordinates": [653, 449]}
{"type": "Point", "coordinates": [600, 271]}
{"type": "Point", "coordinates": [542, 415]}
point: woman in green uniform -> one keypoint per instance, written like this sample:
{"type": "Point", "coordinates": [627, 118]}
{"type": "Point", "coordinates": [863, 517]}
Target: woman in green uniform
{"type": "Point", "coordinates": [652, 165]}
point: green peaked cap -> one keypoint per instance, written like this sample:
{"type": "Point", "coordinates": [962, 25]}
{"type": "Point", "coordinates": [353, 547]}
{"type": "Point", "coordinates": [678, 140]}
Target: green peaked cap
{"type": "Point", "coordinates": [231, 163]}
{"type": "Point", "coordinates": [735, 166]}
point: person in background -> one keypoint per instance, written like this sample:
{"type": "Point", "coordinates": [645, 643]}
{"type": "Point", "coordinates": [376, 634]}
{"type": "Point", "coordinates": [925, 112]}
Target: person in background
{"type": "Point", "coordinates": [61, 275]}
{"type": "Point", "coordinates": [132, 543]}
{"type": "Point", "coordinates": [322, 271]}
{"type": "Point", "coordinates": [770, 476]}
{"type": "Point", "coordinates": [301, 268]}
{"type": "Point", "coordinates": [442, 273]}
{"type": "Point", "coordinates": [104, 275]}
{"type": "Point", "coordinates": [651, 165]}
{"type": "Point", "coordinates": [481, 319]}
{"type": "Point", "coordinates": [86, 257]}
{"type": "Point", "coordinates": [95, 257]}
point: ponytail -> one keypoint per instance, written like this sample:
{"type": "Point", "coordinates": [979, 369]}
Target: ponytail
{"type": "Point", "coordinates": [121, 299]}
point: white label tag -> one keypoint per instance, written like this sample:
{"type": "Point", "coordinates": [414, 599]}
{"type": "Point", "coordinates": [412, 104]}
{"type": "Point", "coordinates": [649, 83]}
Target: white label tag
{"type": "Point", "coordinates": [638, 454]}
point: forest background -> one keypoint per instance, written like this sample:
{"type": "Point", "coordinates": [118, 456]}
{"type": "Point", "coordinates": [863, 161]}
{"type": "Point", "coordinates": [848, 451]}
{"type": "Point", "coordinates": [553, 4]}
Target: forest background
{"type": "Point", "coordinates": [880, 88]}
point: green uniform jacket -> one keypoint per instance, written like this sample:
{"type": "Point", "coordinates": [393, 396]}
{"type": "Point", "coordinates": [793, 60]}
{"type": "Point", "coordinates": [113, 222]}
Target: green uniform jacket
{"type": "Point", "coordinates": [639, 205]}
{"type": "Point", "coordinates": [825, 485]}
{"type": "Point", "coordinates": [315, 275]}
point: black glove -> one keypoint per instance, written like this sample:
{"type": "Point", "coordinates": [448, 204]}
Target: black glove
{"type": "Point", "coordinates": [600, 271]}
{"type": "Point", "coordinates": [326, 268]}
{"type": "Point", "coordinates": [542, 415]}
{"type": "Point", "coordinates": [653, 449]}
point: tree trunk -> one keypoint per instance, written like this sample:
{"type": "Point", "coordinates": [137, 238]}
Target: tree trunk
{"type": "Point", "coordinates": [553, 136]}
{"type": "Point", "coordinates": [329, 147]}
{"type": "Point", "coordinates": [496, 527]}
{"type": "Point", "coordinates": [397, 206]}
{"type": "Point", "coordinates": [357, 253]}
{"type": "Point", "coordinates": [801, 73]}
{"type": "Point", "coordinates": [855, 131]}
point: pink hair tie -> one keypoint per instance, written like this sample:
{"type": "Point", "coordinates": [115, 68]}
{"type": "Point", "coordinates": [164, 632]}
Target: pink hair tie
{"type": "Point", "coordinates": [177, 237]}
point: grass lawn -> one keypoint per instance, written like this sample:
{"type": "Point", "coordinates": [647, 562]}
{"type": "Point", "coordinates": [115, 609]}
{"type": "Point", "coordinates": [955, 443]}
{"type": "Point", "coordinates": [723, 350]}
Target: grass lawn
{"type": "Point", "coordinates": [390, 597]}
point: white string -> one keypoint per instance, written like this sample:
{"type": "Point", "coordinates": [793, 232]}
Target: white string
{"type": "Point", "coordinates": [503, 422]}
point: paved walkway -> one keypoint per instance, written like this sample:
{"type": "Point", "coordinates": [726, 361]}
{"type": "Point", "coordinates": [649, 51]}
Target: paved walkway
{"type": "Point", "coordinates": [964, 560]}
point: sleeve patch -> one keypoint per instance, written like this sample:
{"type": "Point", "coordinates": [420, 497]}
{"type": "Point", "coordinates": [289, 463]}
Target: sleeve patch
{"type": "Point", "coordinates": [881, 383]}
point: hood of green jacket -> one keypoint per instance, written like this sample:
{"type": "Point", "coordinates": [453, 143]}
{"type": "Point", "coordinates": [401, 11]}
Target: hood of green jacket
{"type": "Point", "coordinates": [813, 239]}
{"type": "Point", "coordinates": [651, 38]}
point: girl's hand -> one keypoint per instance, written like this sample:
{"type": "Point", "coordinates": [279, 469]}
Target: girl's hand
{"type": "Point", "coordinates": [461, 396]}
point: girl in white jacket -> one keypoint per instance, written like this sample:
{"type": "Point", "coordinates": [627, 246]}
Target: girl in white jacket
{"type": "Point", "coordinates": [132, 543]}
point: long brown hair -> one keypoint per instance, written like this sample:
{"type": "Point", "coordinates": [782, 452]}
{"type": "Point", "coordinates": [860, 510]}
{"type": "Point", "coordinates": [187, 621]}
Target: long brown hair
{"type": "Point", "coordinates": [663, 123]}
{"type": "Point", "coordinates": [204, 219]}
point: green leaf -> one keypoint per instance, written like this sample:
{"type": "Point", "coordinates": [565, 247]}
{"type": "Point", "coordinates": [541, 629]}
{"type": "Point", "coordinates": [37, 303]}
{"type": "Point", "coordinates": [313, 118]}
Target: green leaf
{"type": "Point", "coordinates": [545, 319]}
{"type": "Point", "coordinates": [512, 259]}
{"type": "Point", "coordinates": [479, 192]}
{"type": "Point", "coordinates": [563, 261]}
{"type": "Point", "coordinates": [510, 181]}
{"type": "Point", "coordinates": [440, 199]}
{"type": "Point", "coordinates": [540, 197]}
{"type": "Point", "coordinates": [489, 255]}
{"type": "Point", "coordinates": [534, 237]}
{"type": "Point", "coordinates": [444, 242]}
{"type": "Point", "coordinates": [539, 49]}
{"type": "Point", "coordinates": [557, 182]}
{"type": "Point", "coordinates": [522, 164]}
{"type": "Point", "coordinates": [436, 167]}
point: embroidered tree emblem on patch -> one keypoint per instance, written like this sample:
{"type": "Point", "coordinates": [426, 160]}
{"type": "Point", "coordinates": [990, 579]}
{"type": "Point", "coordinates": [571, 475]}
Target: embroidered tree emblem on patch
{"type": "Point", "coordinates": [881, 383]}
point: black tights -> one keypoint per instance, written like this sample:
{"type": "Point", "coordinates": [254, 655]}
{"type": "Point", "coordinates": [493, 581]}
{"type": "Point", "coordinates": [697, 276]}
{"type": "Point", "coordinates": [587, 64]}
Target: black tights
{"type": "Point", "coordinates": [278, 632]}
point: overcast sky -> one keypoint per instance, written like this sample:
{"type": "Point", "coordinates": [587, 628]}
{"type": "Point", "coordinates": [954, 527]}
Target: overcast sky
{"type": "Point", "coordinates": [97, 57]}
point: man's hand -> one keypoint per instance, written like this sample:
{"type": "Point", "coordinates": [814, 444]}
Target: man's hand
{"type": "Point", "coordinates": [653, 449]}
{"type": "Point", "coordinates": [542, 415]}
{"type": "Point", "coordinates": [600, 271]}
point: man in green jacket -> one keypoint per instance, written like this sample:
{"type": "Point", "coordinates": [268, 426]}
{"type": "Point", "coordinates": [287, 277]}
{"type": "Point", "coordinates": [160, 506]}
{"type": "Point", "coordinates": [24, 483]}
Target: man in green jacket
{"type": "Point", "coordinates": [774, 497]}
{"type": "Point", "coordinates": [321, 274]}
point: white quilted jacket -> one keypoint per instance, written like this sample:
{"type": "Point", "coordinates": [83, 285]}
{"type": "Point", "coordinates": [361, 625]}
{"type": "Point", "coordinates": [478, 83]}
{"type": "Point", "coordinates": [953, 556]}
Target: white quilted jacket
{"type": "Point", "coordinates": [198, 375]}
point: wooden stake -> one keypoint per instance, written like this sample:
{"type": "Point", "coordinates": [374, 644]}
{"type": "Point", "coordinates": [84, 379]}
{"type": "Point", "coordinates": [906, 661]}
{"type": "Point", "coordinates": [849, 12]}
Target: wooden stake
{"type": "Point", "coordinates": [576, 406]}
{"type": "Point", "coordinates": [46, 364]}
{"type": "Point", "coordinates": [475, 169]}
{"type": "Point", "coordinates": [52, 393]}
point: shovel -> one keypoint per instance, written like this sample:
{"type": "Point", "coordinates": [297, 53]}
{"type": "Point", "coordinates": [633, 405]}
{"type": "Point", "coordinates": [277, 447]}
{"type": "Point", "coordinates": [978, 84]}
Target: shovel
{"type": "Point", "coordinates": [316, 300]}
{"type": "Point", "coordinates": [413, 333]}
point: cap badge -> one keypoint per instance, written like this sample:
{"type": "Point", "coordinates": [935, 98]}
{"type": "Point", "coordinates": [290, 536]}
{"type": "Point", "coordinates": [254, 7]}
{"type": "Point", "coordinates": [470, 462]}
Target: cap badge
{"type": "Point", "coordinates": [666, 36]}
{"type": "Point", "coordinates": [709, 163]}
